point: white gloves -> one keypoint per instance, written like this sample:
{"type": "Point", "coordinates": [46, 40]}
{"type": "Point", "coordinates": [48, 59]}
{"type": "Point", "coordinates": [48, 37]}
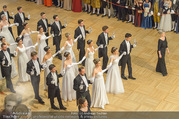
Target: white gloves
{"type": "Point", "coordinates": [109, 66]}
{"type": "Point", "coordinates": [17, 24]}
{"type": "Point", "coordinates": [90, 30]}
{"type": "Point", "coordinates": [12, 15]}
{"type": "Point", "coordinates": [34, 31]}
{"type": "Point", "coordinates": [172, 12]}
{"type": "Point", "coordinates": [92, 80]}
{"type": "Point", "coordinates": [52, 35]}
{"type": "Point", "coordinates": [32, 72]}
{"type": "Point", "coordinates": [124, 53]}
{"type": "Point", "coordinates": [134, 45]}
{"type": "Point", "coordinates": [15, 53]}
{"type": "Point", "coordinates": [151, 12]}
{"type": "Point", "coordinates": [113, 36]}
{"type": "Point", "coordinates": [126, 6]}
{"type": "Point", "coordinates": [101, 46]}
{"type": "Point", "coordinates": [36, 44]}
{"type": "Point", "coordinates": [65, 25]}
{"type": "Point", "coordinates": [52, 82]}
{"type": "Point", "coordinates": [51, 21]}
{"type": "Point", "coordinates": [61, 50]}
{"type": "Point", "coordinates": [158, 14]}
{"type": "Point", "coordinates": [28, 16]}
{"type": "Point", "coordinates": [81, 87]}
{"type": "Point", "coordinates": [80, 36]}
{"type": "Point", "coordinates": [13, 44]}
{"type": "Point", "coordinates": [133, 8]}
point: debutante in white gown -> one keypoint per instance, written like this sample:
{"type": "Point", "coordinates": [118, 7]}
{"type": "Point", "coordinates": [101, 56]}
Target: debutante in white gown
{"type": "Point", "coordinates": [9, 38]}
{"type": "Point", "coordinates": [22, 64]}
{"type": "Point", "coordinates": [48, 62]}
{"type": "Point", "coordinates": [68, 93]}
{"type": "Point", "coordinates": [113, 81]}
{"type": "Point", "coordinates": [69, 49]}
{"type": "Point", "coordinates": [99, 96]}
{"type": "Point", "coordinates": [89, 65]}
{"type": "Point", "coordinates": [41, 51]}
{"type": "Point", "coordinates": [27, 41]}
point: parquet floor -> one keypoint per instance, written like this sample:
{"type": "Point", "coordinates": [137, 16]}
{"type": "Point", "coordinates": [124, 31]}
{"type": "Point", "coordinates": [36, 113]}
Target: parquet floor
{"type": "Point", "coordinates": [150, 92]}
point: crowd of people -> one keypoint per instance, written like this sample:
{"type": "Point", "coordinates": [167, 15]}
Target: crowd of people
{"type": "Point", "coordinates": [76, 81]}
{"type": "Point", "coordinates": [162, 15]}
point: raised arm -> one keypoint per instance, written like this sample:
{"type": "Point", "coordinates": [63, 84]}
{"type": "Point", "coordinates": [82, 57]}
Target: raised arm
{"type": "Point", "coordinates": [124, 53]}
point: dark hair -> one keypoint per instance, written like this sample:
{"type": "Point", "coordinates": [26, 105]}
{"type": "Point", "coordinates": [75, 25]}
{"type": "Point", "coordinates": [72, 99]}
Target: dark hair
{"type": "Point", "coordinates": [96, 61]}
{"type": "Point", "coordinates": [42, 13]}
{"type": "Point", "coordinates": [79, 21]}
{"type": "Point", "coordinates": [67, 35]}
{"type": "Point", "coordinates": [25, 23]}
{"type": "Point", "coordinates": [3, 44]}
{"type": "Point", "coordinates": [5, 6]}
{"type": "Point", "coordinates": [80, 68]}
{"type": "Point", "coordinates": [113, 49]}
{"type": "Point", "coordinates": [66, 54]}
{"type": "Point", "coordinates": [54, 16]}
{"type": "Point", "coordinates": [1, 37]}
{"type": "Point", "coordinates": [127, 35]}
{"type": "Point", "coordinates": [89, 42]}
{"type": "Point", "coordinates": [104, 28]}
{"type": "Point", "coordinates": [18, 8]}
{"type": "Point", "coordinates": [39, 27]}
{"type": "Point", "coordinates": [33, 53]}
{"type": "Point", "coordinates": [18, 39]}
{"type": "Point", "coordinates": [46, 48]}
{"type": "Point", "coordinates": [51, 66]}
{"type": "Point", "coordinates": [81, 101]}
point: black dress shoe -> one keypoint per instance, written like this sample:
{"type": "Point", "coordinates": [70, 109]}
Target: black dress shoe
{"type": "Point", "coordinates": [55, 108]}
{"type": "Point", "coordinates": [124, 77]}
{"type": "Point", "coordinates": [118, 20]}
{"type": "Point", "coordinates": [41, 101]}
{"type": "Point", "coordinates": [92, 13]}
{"type": "Point", "coordinates": [103, 15]}
{"type": "Point", "coordinates": [122, 20]}
{"type": "Point", "coordinates": [113, 16]}
{"type": "Point", "coordinates": [13, 91]}
{"type": "Point", "coordinates": [88, 12]}
{"type": "Point", "coordinates": [154, 27]}
{"type": "Point", "coordinates": [63, 108]}
{"type": "Point", "coordinates": [109, 17]}
{"type": "Point", "coordinates": [84, 10]}
{"type": "Point", "coordinates": [97, 14]}
{"type": "Point", "coordinates": [130, 77]}
{"type": "Point", "coordinates": [128, 21]}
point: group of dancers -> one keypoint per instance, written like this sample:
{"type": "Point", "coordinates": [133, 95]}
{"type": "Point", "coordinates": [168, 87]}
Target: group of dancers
{"type": "Point", "coordinates": [76, 81]}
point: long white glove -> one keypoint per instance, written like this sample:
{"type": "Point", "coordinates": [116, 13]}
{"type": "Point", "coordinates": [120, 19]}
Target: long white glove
{"type": "Point", "coordinates": [61, 50]}
{"type": "Point", "coordinates": [133, 8]}
{"type": "Point", "coordinates": [34, 31]}
{"type": "Point", "coordinates": [79, 37]}
{"type": "Point", "coordinates": [13, 44]}
{"type": "Point", "coordinates": [17, 24]}
{"type": "Point", "coordinates": [113, 36]}
{"type": "Point", "coordinates": [47, 37]}
{"type": "Point", "coordinates": [36, 44]}
{"type": "Point", "coordinates": [134, 45]}
{"type": "Point", "coordinates": [90, 30]}
{"type": "Point", "coordinates": [44, 65]}
{"type": "Point", "coordinates": [52, 82]}
{"type": "Point", "coordinates": [65, 25]}
{"type": "Point", "coordinates": [33, 46]}
{"type": "Point", "coordinates": [126, 6]}
{"type": "Point", "coordinates": [172, 12]}
{"type": "Point", "coordinates": [92, 80]}
{"type": "Point", "coordinates": [82, 59]}
{"type": "Point", "coordinates": [15, 53]}
{"type": "Point", "coordinates": [117, 59]}
{"type": "Point", "coordinates": [101, 46]}
{"type": "Point", "coordinates": [55, 54]}
{"type": "Point", "coordinates": [81, 87]}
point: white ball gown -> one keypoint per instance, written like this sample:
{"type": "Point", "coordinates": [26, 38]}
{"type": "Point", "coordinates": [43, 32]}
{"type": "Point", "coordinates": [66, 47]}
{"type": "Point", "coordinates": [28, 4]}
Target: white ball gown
{"type": "Point", "coordinates": [27, 41]}
{"type": "Point", "coordinates": [89, 65]}
{"type": "Point", "coordinates": [48, 62]}
{"type": "Point", "coordinates": [99, 96]}
{"type": "Point", "coordinates": [22, 64]}
{"type": "Point", "coordinates": [42, 44]}
{"type": "Point", "coordinates": [69, 49]}
{"type": "Point", "coordinates": [68, 93]}
{"type": "Point", "coordinates": [9, 38]}
{"type": "Point", "coordinates": [113, 81]}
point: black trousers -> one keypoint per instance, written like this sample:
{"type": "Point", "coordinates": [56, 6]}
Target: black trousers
{"type": "Point", "coordinates": [122, 13]}
{"type": "Point", "coordinates": [126, 60]}
{"type": "Point", "coordinates": [86, 95]}
{"type": "Point", "coordinates": [57, 93]}
{"type": "Point", "coordinates": [55, 2]}
{"type": "Point", "coordinates": [19, 30]}
{"type": "Point", "coordinates": [10, 29]}
{"type": "Point", "coordinates": [56, 42]}
{"type": "Point", "coordinates": [115, 8]}
{"type": "Point", "coordinates": [104, 4]}
{"type": "Point", "coordinates": [35, 80]}
{"type": "Point", "coordinates": [105, 58]}
{"type": "Point", "coordinates": [47, 34]}
{"type": "Point", "coordinates": [82, 54]}
{"type": "Point", "coordinates": [7, 75]}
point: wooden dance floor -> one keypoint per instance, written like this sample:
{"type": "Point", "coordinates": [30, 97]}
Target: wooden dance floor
{"type": "Point", "coordinates": [149, 92]}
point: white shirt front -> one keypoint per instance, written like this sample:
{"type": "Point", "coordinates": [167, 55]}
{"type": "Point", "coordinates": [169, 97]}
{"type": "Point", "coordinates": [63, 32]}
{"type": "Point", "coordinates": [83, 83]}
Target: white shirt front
{"type": "Point", "coordinates": [82, 31]}
{"type": "Point", "coordinates": [37, 68]}
{"type": "Point", "coordinates": [44, 20]}
{"type": "Point", "coordinates": [6, 15]}
{"type": "Point", "coordinates": [22, 17]}
{"type": "Point", "coordinates": [128, 46]}
{"type": "Point", "coordinates": [8, 57]}
{"type": "Point", "coordinates": [54, 75]}
{"type": "Point", "coordinates": [106, 38]}
{"type": "Point", "coordinates": [85, 81]}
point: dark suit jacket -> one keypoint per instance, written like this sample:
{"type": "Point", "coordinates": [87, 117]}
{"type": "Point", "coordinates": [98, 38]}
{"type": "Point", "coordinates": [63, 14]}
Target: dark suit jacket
{"type": "Point", "coordinates": [101, 41]}
{"type": "Point", "coordinates": [41, 23]}
{"type": "Point", "coordinates": [123, 48]}
{"type": "Point", "coordinates": [31, 67]}
{"type": "Point", "coordinates": [17, 19]}
{"type": "Point", "coordinates": [56, 31]}
{"type": "Point", "coordinates": [79, 81]}
{"type": "Point", "coordinates": [9, 17]}
{"type": "Point", "coordinates": [81, 42]}
{"type": "Point", "coordinates": [3, 58]}
{"type": "Point", "coordinates": [51, 87]}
